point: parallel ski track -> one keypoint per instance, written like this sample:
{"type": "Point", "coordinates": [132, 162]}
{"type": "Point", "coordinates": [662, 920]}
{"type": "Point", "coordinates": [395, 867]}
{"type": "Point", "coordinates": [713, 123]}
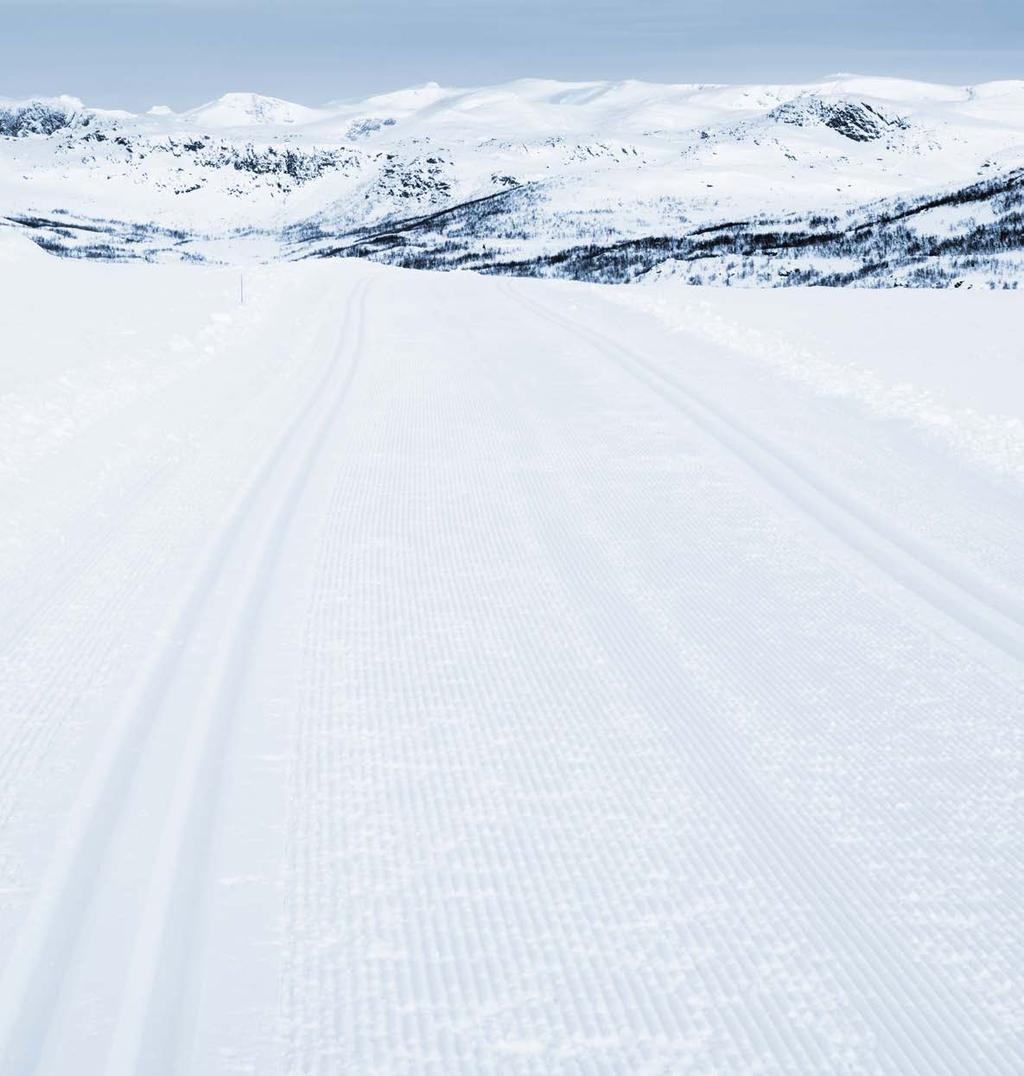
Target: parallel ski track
{"type": "Point", "coordinates": [94, 591]}
{"type": "Point", "coordinates": [496, 757]}
{"type": "Point", "coordinates": [893, 990]}
{"type": "Point", "coordinates": [152, 996]}
{"type": "Point", "coordinates": [993, 616]}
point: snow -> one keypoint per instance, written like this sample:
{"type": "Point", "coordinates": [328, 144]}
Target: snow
{"type": "Point", "coordinates": [605, 161]}
{"type": "Point", "coordinates": [420, 673]}
{"type": "Point", "coordinates": [17, 248]}
{"type": "Point", "coordinates": [73, 104]}
{"type": "Point", "coordinates": [248, 110]}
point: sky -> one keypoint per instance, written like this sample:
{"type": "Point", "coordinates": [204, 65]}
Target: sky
{"type": "Point", "coordinates": [137, 53]}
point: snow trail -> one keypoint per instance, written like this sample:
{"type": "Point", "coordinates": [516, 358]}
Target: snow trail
{"type": "Point", "coordinates": [795, 855]}
{"type": "Point", "coordinates": [31, 986]}
{"type": "Point", "coordinates": [503, 700]}
{"type": "Point", "coordinates": [996, 617]}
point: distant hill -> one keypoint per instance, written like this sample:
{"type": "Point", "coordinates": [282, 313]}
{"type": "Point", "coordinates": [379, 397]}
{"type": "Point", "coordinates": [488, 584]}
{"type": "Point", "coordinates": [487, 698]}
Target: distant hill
{"type": "Point", "coordinates": [854, 180]}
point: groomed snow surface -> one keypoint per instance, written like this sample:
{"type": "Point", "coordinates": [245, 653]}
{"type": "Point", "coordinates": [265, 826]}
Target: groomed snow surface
{"type": "Point", "coordinates": [418, 674]}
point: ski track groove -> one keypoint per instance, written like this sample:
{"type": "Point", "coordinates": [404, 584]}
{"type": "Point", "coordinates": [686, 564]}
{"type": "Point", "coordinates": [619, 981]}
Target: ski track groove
{"type": "Point", "coordinates": [963, 738]}
{"type": "Point", "coordinates": [801, 858]}
{"type": "Point", "coordinates": [44, 951]}
{"type": "Point", "coordinates": [524, 832]}
{"type": "Point", "coordinates": [403, 596]}
{"type": "Point", "coordinates": [994, 617]}
{"type": "Point", "coordinates": [92, 590]}
{"type": "Point", "coordinates": [170, 914]}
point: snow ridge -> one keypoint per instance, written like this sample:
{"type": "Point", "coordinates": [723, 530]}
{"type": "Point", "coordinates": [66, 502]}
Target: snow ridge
{"type": "Point", "coordinates": [599, 167]}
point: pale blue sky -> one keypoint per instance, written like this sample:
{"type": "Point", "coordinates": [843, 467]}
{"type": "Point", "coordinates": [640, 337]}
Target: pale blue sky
{"type": "Point", "coordinates": [180, 52]}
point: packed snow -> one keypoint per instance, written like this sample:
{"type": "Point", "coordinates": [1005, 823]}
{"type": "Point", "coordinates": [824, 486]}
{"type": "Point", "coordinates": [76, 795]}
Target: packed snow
{"type": "Point", "coordinates": [436, 673]}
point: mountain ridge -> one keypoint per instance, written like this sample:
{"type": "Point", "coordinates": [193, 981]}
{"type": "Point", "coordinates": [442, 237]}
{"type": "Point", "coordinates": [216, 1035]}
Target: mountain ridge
{"type": "Point", "coordinates": [597, 164]}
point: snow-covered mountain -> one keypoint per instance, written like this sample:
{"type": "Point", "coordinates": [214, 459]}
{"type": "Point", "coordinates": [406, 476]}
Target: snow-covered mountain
{"type": "Point", "coordinates": [852, 180]}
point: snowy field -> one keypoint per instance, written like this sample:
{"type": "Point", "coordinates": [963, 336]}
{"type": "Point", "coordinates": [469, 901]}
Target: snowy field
{"type": "Point", "coordinates": [431, 674]}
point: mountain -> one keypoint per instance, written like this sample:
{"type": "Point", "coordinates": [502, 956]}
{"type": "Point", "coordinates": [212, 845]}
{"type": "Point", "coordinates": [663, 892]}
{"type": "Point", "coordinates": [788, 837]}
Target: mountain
{"type": "Point", "coordinates": [851, 180]}
{"type": "Point", "coordinates": [18, 119]}
{"type": "Point", "coordinates": [250, 110]}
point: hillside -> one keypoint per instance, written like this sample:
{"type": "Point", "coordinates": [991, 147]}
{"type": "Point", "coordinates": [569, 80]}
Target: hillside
{"type": "Point", "coordinates": [849, 181]}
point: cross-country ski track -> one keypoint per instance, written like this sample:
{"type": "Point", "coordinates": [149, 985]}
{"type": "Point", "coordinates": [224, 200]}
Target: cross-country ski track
{"type": "Point", "coordinates": [412, 673]}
